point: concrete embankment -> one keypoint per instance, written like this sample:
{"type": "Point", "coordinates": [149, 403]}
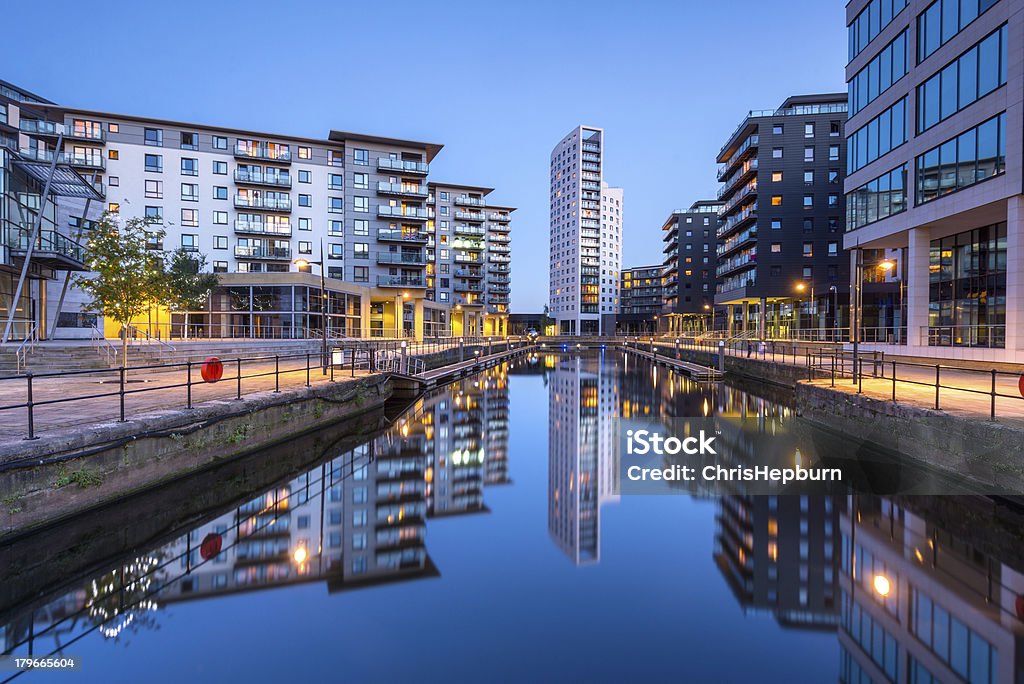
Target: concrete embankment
{"type": "Point", "coordinates": [67, 472]}
{"type": "Point", "coordinates": [752, 368]}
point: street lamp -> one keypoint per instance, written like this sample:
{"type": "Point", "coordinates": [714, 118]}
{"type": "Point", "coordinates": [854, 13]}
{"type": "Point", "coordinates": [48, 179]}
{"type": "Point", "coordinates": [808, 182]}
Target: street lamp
{"type": "Point", "coordinates": [802, 287]}
{"type": "Point", "coordinates": [858, 299]}
{"type": "Point", "coordinates": [835, 312]}
{"type": "Point", "coordinates": [302, 263]}
{"type": "Point", "coordinates": [708, 307]}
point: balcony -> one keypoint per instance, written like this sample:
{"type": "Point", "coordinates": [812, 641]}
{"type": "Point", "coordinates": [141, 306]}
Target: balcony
{"type": "Point", "coordinates": [498, 299]}
{"type": "Point", "coordinates": [500, 249]}
{"type": "Point", "coordinates": [410, 213]}
{"type": "Point", "coordinates": [735, 221]}
{"type": "Point", "coordinates": [415, 167]}
{"type": "Point", "coordinates": [50, 249]}
{"type": "Point", "coordinates": [407, 236]}
{"type": "Point", "coordinates": [468, 287]}
{"type": "Point", "coordinates": [737, 241]}
{"type": "Point", "coordinates": [499, 217]}
{"type": "Point", "coordinates": [274, 153]}
{"type": "Point", "coordinates": [503, 239]}
{"type": "Point", "coordinates": [463, 229]}
{"type": "Point", "coordinates": [269, 179]}
{"type": "Point", "coordinates": [475, 216]}
{"type": "Point", "coordinates": [400, 281]}
{"type": "Point", "coordinates": [38, 127]}
{"type": "Point", "coordinates": [499, 289]}
{"type": "Point", "coordinates": [469, 258]}
{"type": "Point", "coordinates": [499, 280]}
{"type": "Point", "coordinates": [737, 263]}
{"type": "Point", "coordinates": [467, 201]}
{"type": "Point", "coordinates": [749, 144]}
{"type": "Point", "coordinates": [500, 259]}
{"type": "Point", "coordinates": [748, 192]}
{"type": "Point", "coordinates": [263, 253]}
{"type": "Point", "coordinates": [243, 227]}
{"type": "Point", "coordinates": [263, 203]}
{"type": "Point", "coordinates": [469, 300]}
{"type": "Point", "coordinates": [402, 258]}
{"type": "Point", "coordinates": [92, 134]}
{"type": "Point", "coordinates": [498, 268]}
{"type": "Point", "coordinates": [749, 167]}
{"type": "Point", "coordinates": [402, 189]}
{"type": "Point", "coordinates": [85, 161]}
{"type": "Point", "coordinates": [469, 273]}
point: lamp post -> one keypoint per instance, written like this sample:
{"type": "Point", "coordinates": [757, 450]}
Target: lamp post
{"type": "Point", "coordinates": [858, 308]}
{"type": "Point", "coordinates": [801, 287]}
{"type": "Point", "coordinates": [302, 263]}
{"type": "Point", "coordinates": [708, 307]}
{"type": "Point", "coordinates": [835, 312]}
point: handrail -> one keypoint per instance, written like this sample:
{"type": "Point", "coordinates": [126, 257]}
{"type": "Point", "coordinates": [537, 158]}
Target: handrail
{"type": "Point", "coordinates": [27, 345]}
{"type": "Point", "coordinates": [136, 329]}
{"type": "Point", "coordinates": [103, 345]}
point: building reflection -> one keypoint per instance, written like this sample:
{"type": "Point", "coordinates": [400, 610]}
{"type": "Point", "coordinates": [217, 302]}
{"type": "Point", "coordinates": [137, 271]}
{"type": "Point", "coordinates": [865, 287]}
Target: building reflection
{"type": "Point", "coordinates": [359, 519]}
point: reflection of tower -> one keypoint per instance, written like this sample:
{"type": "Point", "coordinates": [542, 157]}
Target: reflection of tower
{"type": "Point", "coordinates": [780, 554]}
{"type": "Point", "coordinates": [582, 472]}
{"type": "Point", "coordinates": [457, 454]}
{"type": "Point", "coordinates": [928, 592]}
{"type": "Point", "coordinates": [496, 412]}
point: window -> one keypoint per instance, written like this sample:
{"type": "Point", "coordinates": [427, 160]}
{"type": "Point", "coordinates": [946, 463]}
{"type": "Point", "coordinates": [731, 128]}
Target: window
{"type": "Point", "coordinates": [833, 152]}
{"type": "Point", "coordinates": [220, 192]}
{"type": "Point", "coordinates": [888, 67]}
{"type": "Point", "coordinates": [335, 205]}
{"type": "Point", "coordinates": [833, 200]}
{"type": "Point", "coordinates": [189, 141]}
{"type": "Point", "coordinates": [336, 181]}
{"type": "Point", "coordinates": [808, 224]}
{"type": "Point", "coordinates": [305, 176]}
{"type": "Point", "coordinates": [335, 158]}
{"type": "Point", "coordinates": [305, 200]}
{"type": "Point", "coordinates": [337, 272]}
{"type": "Point", "coordinates": [776, 153]}
{"type": "Point", "coordinates": [360, 227]}
{"type": "Point", "coordinates": [884, 133]}
{"type": "Point", "coordinates": [220, 218]}
{"type": "Point", "coordinates": [776, 224]}
{"type": "Point", "coordinates": [220, 168]}
{"type": "Point", "coordinates": [973, 156]}
{"type": "Point", "coordinates": [220, 267]}
{"type": "Point", "coordinates": [114, 207]}
{"type": "Point", "coordinates": [154, 214]}
{"type": "Point", "coordinates": [190, 242]}
{"type": "Point", "coordinates": [808, 272]}
{"type": "Point", "coordinates": [776, 248]}
{"type": "Point", "coordinates": [808, 201]}
{"type": "Point", "coordinates": [153, 136]}
{"type": "Point", "coordinates": [361, 274]}
{"type": "Point", "coordinates": [361, 250]}
{"type": "Point", "coordinates": [154, 189]}
{"type": "Point", "coordinates": [809, 130]}
{"type": "Point", "coordinates": [808, 154]}
{"type": "Point", "coordinates": [361, 204]}
{"type": "Point", "coordinates": [113, 154]}
{"type": "Point", "coordinates": [190, 218]}
{"type": "Point", "coordinates": [220, 241]}
{"type": "Point", "coordinates": [305, 224]}
{"type": "Point", "coordinates": [305, 152]}
{"type": "Point", "coordinates": [444, 196]}
{"type": "Point", "coordinates": [305, 247]}
{"type": "Point", "coordinates": [777, 129]}
{"type": "Point", "coordinates": [113, 181]}
{"type": "Point", "coordinates": [943, 19]}
{"type": "Point", "coordinates": [190, 192]}
{"type": "Point", "coordinates": [808, 249]}
{"type": "Point", "coordinates": [833, 176]}
{"type": "Point", "coordinates": [220, 142]}
{"type": "Point", "coordinates": [971, 76]}
{"type": "Point", "coordinates": [835, 129]}
{"type": "Point", "coordinates": [833, 248]}
{"type": "Point", "coordinates": [189, 166]}
{"type": "Point", "coordinates": [361, 157]}
{"type": "Point", "coordinates": [335, 228]}
{"type": "Point", "coordinates": [808, 177]}
{"type": "Point", "coordinates": [870, 22]}
{"type": "Point", "coordinates": [776, 176]}
{"type": "Point", "coordinates": [154, 163]}
{"type": "Point", "coordinates": [776, 200]}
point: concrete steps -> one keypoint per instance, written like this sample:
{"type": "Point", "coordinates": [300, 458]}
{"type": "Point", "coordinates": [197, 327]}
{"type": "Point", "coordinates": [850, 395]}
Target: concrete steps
{"type": "Point", "coordinates": [55, 357]}
{"type": "Point", "coordinates": [158, 354]}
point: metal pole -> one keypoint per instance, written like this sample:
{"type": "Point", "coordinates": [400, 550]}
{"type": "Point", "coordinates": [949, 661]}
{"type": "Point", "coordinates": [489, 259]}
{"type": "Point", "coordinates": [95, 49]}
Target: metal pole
{"type": "Point", "coordinates": [188, 384]}
{"type": "Point", "coordinates": [856, 313]}
{"type": "Point", "coordinates": [30, 406]}
{"type": "Point", "coordinates": [323, 308]}
{"type": "Point", "coordinates": [238, 377]}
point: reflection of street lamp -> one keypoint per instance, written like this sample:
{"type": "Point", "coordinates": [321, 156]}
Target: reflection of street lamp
{"type": "Point", "coordinates": [302, 263]}
{"type": "Point", "coordinates": [882, 585]}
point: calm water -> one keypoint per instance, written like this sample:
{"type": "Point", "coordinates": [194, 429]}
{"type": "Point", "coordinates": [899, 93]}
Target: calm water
{"type": "Point", "coordinates": [479, 538]}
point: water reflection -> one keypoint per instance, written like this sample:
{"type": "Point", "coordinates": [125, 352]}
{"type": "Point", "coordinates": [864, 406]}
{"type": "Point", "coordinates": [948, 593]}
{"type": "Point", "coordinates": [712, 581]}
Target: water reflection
{"type": "Point", "coordinates": [904, 589]}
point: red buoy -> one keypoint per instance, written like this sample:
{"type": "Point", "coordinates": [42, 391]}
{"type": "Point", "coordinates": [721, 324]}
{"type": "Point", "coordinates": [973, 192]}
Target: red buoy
{"type": "Point", "coordinates": [211, 546]}
{"type": "Point", "coordinates": [212, 370]}
{"type": "Point", "coordinates": [1020, 385]}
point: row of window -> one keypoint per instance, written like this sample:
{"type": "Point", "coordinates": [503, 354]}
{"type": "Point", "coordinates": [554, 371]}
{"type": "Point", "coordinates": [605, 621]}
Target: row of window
{"type": "Point", "coordinates": [888, 67]}
{"type": "Point", "coordinates": [967, 652]}
{"type": "Point", "coordinates": [870, 22]}
{"type": "Point", "coordinates": [971, 76]}
{"type": "Point", "coordinates": [833, 153]}
{"type": "Point", "coordinates": [943, 19]}
{"type": "Point", "coordinates": [882, 134]}
{"type": "Point", "coordinates": [969, 158]}
{"type": "Point", "coordinates": [808, 200]}
{"type": "Point", "coordinates": [831, 248]}
{"type": "Point", "coordinates": [877, 199]}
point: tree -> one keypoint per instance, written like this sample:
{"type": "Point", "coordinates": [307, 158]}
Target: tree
{"type": "Point", "coordinates": [187, 285]}
{"type": "Point", "coordinates": [127, 276]}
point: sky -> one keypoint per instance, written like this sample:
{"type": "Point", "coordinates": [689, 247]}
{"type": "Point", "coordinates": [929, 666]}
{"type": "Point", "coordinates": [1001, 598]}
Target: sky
{"type": "Point", "coordinates": [498, 83]}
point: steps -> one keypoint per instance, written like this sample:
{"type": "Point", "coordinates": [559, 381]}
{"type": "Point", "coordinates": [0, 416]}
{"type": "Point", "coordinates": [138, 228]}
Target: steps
{"type": "Point", "coordinates": [49, 357]}
{"type": "Point", "coordinates": [152, 354]}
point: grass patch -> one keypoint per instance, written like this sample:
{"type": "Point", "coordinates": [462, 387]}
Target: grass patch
{"type": "Point", "coordinates": [82, 477]}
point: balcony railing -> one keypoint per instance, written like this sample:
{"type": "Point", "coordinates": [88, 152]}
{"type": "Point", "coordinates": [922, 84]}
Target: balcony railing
{"type": "Point", "coordinates": [389, 235]}
{"type": "Point", "coordinates": [470, 216]}
{"type": "Point", "coordinates": [502, 249]}
{"type": "Point", "coordinates": [85, 161]}
{"type": "Point", "coordinates": [39, 127]}
{"type": "Point", "coordinates": [468, 273]}
{"type": "Point", "coordinates": [498, 268]}
{"type": "Point", "coordinates": [499, 216]}
{"type": "Point", "coordinates": [48, 242]}
{"type": "Point", "coordinates": [400, 281]}
{"type": "Point", "coordinates": [261, 228]}
{"type": "Point", "coordinates": [469, 287]}
{"type": "Point", "coordinates": [274, 253]}
{"type": "Point", "coordinates": [401, 189]}
{"type": "Point", "coordinates": [463, 229]}
{"type": "Point", "coordinates": [503, 239]}
{"type": "Point", "coordinates": [414, 213]}
{"type": "Point", "coordinates": [267, 203]}
{"type": "Point", "coordinates": [271, 179]}
{"type": "Point", "coordinates": [417, 167]}
{"type": "Point", "coordinates": [406, 258]}
{"type": "Point", "coordinates": [500, 259]}
{"type": "Point", "coordinates": [89, 134]}
{"type": "Point", "coordinates": [467, 201]}
{"type": "Point", "coordinates": [277, 153]}
{"type": "Point", "coordinates": [500, 289]}
{"type": "Point", "coordinates": [469, 258]}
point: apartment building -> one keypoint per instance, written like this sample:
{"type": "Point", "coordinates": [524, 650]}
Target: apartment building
{"type": "Point", "coordinates": [934, 181]}
{"type": "Point", "coordinates": [780, 267]}
{"type": "Point", "coordinates": [691, 240]}
{"type": "Point", "coordinates": [585, 236]}
{"type": "Point", "coordinates": [264, 208]}
{"type": "Point", "coordinates": [640, 300]}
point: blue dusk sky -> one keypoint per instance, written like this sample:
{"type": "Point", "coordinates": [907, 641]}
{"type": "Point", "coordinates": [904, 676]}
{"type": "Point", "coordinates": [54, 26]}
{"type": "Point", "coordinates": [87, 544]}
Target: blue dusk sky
{"type": "Point", "coordinates": [498, 83]}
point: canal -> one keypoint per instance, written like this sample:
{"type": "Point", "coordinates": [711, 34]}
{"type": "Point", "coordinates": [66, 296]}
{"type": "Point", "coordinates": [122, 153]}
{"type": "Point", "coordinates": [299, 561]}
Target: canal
{"type": "Point", "coordinates": [480, 537]}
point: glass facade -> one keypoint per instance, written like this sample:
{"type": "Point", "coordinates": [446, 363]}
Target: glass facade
{"type": "Point", "coordinates": [943, 19]}
{"type": "Point", "coordinates": [878, 137]}
{"type": "Point", "coordinates": [877, 199]}
{"type": "Point", "coordinates": [870, 22]}
{"type": "Point", "coordinates": [969, 158]}
{"type": "Point", "coordinates": [973, 75]}
{"type": "Point", "coordinates": [888, 67]}
{"type": "Point", "coordinates": [968, 653]}
{"type": "Point", "coordinates": [967, 294]}
{"type": "Point", "coordinates": [279, 311]}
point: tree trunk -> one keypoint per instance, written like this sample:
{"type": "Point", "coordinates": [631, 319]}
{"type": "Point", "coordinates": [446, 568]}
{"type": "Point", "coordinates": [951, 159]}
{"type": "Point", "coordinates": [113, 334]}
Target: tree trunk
{"type": "Point", "coordinates": [124, 345]}
{"type": "Point", "coordinates": [186, 325]}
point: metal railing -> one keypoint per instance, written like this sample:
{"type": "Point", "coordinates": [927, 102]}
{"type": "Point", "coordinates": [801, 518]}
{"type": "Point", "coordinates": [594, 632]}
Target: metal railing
{"type": "Point", "coordinates": [134, 333]}
{"type": "Point", "coordinates": [103, 346]}
{"type": "Point", "coordinates": [26, 347]}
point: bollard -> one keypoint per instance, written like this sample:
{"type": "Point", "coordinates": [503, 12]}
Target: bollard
{"type": "Point", "coordinates": [121, 394]}
{"type": "Point", "coordinates": [30, 406]}
{"type": "Point", "coordinates": [992, 415]}
{"type": "Point", "coordinates": [238, 378]}
{"type": "Point", "coordinates": [937, 367]}
{"type": "Point", "coordinates": [721, 356]}
{"type": "Point", "coordinates": [307, 369]}
{"type": "Point", "coordinates": [188, 383]}
{"type": "Point", "coordinates": [277, 374]}
{"type": "Point", "coordinates": [894, 381]}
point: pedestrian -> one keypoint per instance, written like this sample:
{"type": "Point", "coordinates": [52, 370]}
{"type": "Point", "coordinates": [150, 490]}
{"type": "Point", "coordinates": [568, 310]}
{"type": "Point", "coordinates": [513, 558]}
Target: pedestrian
{"type": "Point", "coordinates": [750, 349]}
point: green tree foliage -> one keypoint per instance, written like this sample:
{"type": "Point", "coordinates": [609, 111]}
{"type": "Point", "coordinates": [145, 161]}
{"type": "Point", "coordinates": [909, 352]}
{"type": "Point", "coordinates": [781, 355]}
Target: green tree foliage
{"type": "Point", "coordinates": [187, 285]}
